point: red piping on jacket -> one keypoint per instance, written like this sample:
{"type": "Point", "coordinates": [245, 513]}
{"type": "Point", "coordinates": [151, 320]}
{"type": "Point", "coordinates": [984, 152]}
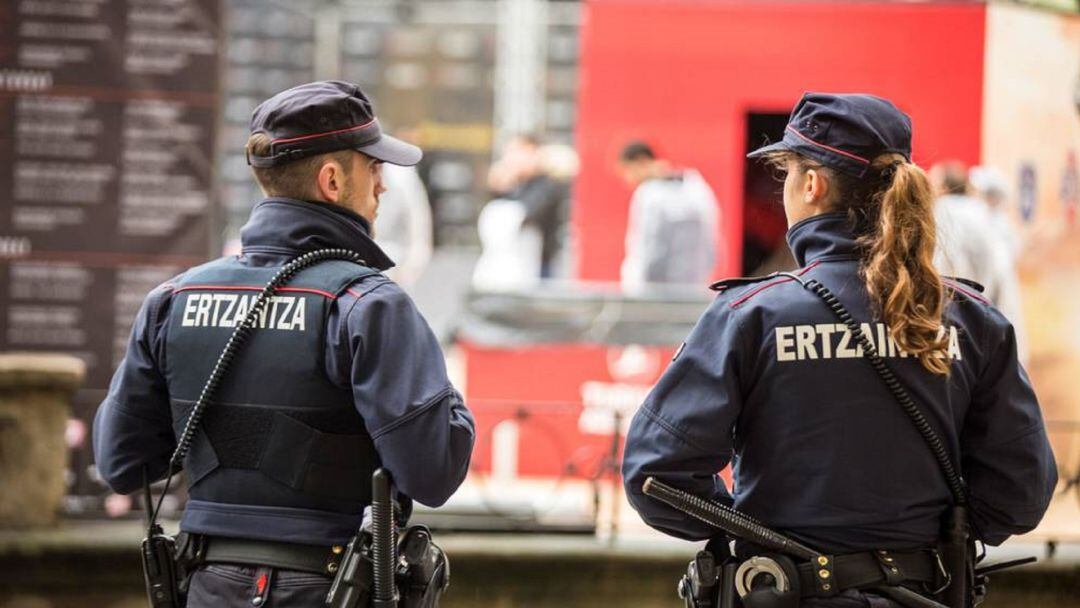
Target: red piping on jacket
{"type": "Point", "coordinates": [955, 286]}
{"type": "Point", "coordinates": [325, 294]}
{"type": "Point", "coordinates": [768, 285]}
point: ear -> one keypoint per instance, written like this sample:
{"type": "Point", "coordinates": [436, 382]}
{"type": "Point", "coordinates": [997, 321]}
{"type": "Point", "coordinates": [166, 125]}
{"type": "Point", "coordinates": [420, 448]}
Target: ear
{"type": "Point", "coordinates": [815, 187]}
{"type": "Point", "coordinates": [329, 181]}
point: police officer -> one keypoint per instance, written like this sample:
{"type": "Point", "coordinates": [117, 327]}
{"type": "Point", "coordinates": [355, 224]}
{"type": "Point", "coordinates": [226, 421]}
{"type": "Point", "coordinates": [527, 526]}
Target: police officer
{"type": "Point", "coordinates": [770, 382]}
{"type": "Point", "coordinates": [343, 374]}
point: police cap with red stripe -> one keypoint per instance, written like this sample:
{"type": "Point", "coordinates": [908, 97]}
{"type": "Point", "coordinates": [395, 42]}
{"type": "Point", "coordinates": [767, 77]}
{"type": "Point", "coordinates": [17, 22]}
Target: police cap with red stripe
{"type": "Point", "coordinates": [321, 117]}
{"type": "Point", "coordinates": [844, 131]}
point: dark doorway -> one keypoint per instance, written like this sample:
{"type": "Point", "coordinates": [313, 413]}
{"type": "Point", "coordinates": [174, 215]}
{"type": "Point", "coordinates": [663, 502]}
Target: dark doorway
{"type": "Point", "coordinates": [764, 224]}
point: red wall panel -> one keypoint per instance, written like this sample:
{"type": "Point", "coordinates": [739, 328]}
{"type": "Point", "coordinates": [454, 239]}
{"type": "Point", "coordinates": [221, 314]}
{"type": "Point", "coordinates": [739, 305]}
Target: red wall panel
{"type": "Point", "coordinates": [543, 389]}
{"type": "Point", "coordinates": [683, 75]}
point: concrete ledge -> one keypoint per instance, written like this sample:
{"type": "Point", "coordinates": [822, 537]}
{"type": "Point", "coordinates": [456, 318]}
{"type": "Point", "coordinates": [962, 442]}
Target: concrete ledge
{"type": "Point", "coordinates": [37, 370]}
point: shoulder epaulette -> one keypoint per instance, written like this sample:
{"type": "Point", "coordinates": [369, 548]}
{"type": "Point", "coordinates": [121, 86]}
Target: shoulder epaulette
{"type": "Point", "coordinates": [726, 284]}
{"type": "Point", "coordinates": [974, 285]}
{"type": "Point", "coordinates": [967, 287]}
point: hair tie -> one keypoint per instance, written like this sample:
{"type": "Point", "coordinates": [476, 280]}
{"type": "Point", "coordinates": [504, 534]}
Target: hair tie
{"type": "Point", "coordinates": [889, 171]}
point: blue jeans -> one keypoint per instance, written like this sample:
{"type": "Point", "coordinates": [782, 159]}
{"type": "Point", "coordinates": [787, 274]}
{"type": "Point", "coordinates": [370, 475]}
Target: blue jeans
{"type": "Point", "coordinates": [238, 586]}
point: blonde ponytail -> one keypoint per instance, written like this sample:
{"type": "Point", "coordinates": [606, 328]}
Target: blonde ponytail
{"type": "Point", "coordinates": [898, 266]}
{"type": "Point", "coordinates": [892, 211]}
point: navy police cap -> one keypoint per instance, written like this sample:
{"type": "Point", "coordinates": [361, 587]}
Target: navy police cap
{"type": "Point", "coordinates": [844, 132]}
{"type": "Point", "coordinates": [321, 117]}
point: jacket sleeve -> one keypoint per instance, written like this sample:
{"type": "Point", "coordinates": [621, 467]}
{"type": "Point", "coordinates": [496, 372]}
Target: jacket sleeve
{"type": "Point", "coordinates": [133, 425]}
{"type": "Point", "coordinates": [683, 433]}
{"type": "Point", "coordinates": [390, 358]}
{"type": "Point", "coordinates": [1007, 460]}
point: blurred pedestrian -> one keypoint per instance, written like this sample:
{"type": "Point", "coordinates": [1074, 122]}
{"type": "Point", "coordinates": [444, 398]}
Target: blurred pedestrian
{"type": "Point", "coordinates": [510, 250]}
{"type": "Point", "coordinates": [990, 186]}
{"type": "Point", "coordinates": [561, 163]}
{"type": "Point", "coordinates": [519, 175]}
{"type": "Point", "coordinates": [404, 229]}
{"type": "Point", "coordinates": [673, 228]}
{"type": "Point", "coordinates": [971, 243]}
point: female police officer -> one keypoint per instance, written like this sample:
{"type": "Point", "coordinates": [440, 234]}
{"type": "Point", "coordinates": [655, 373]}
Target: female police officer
{"type": "Point", "coordinates": [769, 381]}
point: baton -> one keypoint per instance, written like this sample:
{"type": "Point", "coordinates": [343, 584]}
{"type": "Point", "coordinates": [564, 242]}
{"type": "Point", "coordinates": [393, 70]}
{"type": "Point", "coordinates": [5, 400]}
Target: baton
{"type": "Point", "coordinates": [382, 541]}
{"type": "Point", "coordinates": [729, 520]}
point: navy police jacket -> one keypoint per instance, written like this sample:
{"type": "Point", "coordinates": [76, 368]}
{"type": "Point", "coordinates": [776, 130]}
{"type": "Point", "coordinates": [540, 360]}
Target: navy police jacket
{"type": "Point", "coordinates": [379, 363]}
{"type": "Point", "coordinates": [770, 382]}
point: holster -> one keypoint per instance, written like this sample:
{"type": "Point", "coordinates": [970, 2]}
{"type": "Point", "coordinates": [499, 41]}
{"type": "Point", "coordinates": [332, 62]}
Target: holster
{"type": "Point", "coordinates": [422, 575]}
{"type": "Point", "coordinates": [190, 553]}
{"type": "Point", "coordinates": [160, 571]}
{"type": "Point", "coordinates": [700, 587]}
{"type": "Point", "coordinates": [354, 582]}
{"type": "Point", "coordinates": [424, 571]}
{"type": "Point", "coordinates": [710, 577]}
{"type": "Point", "coordinates": [958, 558]}
{"type": "Point", "coordinates": [168, 563]}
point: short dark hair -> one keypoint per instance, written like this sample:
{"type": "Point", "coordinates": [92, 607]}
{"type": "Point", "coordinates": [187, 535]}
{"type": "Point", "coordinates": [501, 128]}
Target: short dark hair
{"type": "Point", "coordinates": [954, 178]}
{"type": "Point", "coordinates": [293, 179]}
{"type": "Point", "coordinates": [636, 150]}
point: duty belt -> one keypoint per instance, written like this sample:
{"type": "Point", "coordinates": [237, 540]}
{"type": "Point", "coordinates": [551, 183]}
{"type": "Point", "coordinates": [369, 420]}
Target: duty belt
{"type": "Point", "coordinates": [289, 556]}
{"type": "Point", "coordinates": [871, 569]}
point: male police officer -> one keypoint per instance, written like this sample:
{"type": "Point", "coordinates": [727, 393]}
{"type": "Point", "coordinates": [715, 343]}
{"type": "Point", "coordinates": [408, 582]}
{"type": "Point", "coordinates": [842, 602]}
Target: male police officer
{"type": "Point", "coordinates": [343, 374]}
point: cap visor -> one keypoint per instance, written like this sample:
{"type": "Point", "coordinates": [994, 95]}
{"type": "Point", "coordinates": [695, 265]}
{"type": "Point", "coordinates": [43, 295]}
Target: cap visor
{"type": "Point", "coordinates": [779, 146]}
{"type": "Point", "coordinates": [394, 151]}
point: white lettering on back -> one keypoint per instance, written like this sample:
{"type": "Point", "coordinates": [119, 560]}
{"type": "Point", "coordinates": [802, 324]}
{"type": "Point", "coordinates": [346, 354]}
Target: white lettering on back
{"type": "Point", "coordinates": [286, 313]}
{"type": "Point", "coordinates": [299, 314]}
{"type": "Point", "coordinates": [804, 340]}
{"type": "Point", "coordinates": [835, 341]}
{"type": "Point", "coordinates": [954, 344]}
{"type": "Point", "coordinates": [785, 343]}
{"type": "Point", "coordinates": [826, 330]}
{"type": "Point", "coordinates": [202, 312]}
{"type": "Point", "coordinates": [844, 350]}
{"type": "Point", "coordinates": [189, 310]}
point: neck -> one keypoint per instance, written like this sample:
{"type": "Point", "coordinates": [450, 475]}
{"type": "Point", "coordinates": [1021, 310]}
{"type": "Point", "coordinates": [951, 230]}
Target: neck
{"type": "Point", "coordinates": [822, 236]}
{"type": "Point", "coordinates": [804, 211]}
{"type": "Point", "coordinates": [369, 223]}
{"type": "Point", "coordinates": [660, 168]}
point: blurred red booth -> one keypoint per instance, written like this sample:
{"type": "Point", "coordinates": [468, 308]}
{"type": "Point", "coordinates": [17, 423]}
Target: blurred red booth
{"type": "Point", "coordinates": [695, 79]}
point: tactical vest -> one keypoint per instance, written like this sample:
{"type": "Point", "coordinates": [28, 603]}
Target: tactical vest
{"type": "Point", "coordinates": [279, 433]}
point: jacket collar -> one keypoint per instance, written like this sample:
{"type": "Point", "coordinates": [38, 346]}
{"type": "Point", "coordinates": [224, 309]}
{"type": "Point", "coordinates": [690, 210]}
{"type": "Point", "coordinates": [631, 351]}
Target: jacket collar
{"type": "Point", "coordinates": [822, 238]}
{"type": "Point", "coordinates": [291, 227]}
